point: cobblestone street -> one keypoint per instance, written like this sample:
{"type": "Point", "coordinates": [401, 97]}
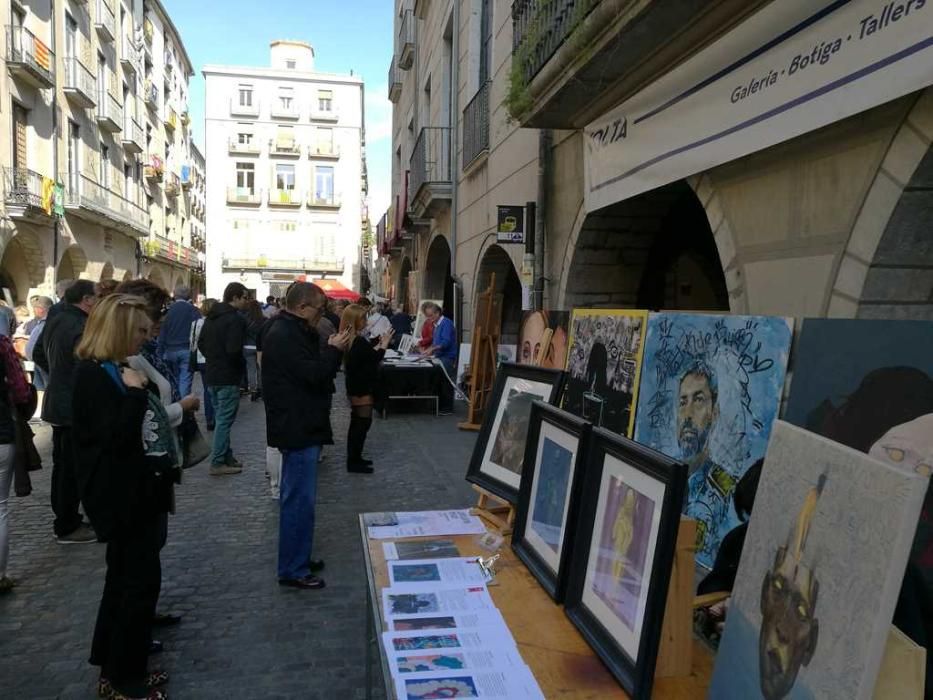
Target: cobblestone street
{"type": "Point", "coordinates": [242, 635]}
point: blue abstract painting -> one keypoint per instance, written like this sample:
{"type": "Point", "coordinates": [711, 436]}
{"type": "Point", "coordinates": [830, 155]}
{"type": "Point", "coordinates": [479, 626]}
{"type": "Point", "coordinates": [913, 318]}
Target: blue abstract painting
{"type": "Point", "coordinates": [710, 389]}
{"type": "Point", "coordinates": [553, 482]}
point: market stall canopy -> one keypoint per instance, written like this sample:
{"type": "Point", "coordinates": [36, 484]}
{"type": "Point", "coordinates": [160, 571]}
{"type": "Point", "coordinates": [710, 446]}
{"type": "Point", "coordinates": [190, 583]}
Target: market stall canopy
{"type": "Point", "coordinates": [334, 290]}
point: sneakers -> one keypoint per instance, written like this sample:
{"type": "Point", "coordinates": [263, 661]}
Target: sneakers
{"type": "Point", "coordinates": [83, 534]}
{"type": "Point", "coordinates": [359, 468]}
{"type": "Point", "coordinates": [224, 469]}
{"type": "Point", "coordinates": [306, 582]}
{"type": "Point", "coordinates": [234, 462]}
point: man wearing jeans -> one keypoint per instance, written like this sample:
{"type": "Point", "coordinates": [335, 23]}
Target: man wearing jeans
{"type": "Point", "coordinates": [297, 379]}
{"type": "Point", "coordinates": [444, 348]}
{"type": "Point", "coordinates": [175, 336]}
{"type": "Point", "coordinates": [221, 343]}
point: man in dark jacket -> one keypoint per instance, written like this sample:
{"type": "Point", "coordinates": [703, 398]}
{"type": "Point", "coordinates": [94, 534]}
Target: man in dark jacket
{"type": "Point", "coordinates": [175, 336]}
{"type": "Point", "coordinates": [221, 342]}
{"type": "Point", "coordinates": [297, 381]}
{"type": "Point", "coordinates": [59, 340]}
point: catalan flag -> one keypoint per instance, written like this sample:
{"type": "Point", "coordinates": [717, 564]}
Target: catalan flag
{"type": "Point", "coordinates": [43, 55]}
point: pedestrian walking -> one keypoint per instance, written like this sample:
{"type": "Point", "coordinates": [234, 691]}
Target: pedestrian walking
{"type": "Point", "coordinates": [297, 375]}
{"type": "Point", "coordinates": [362, 375]}
{"type": "Point", "coordinates": [123, 491]}
{"type": "Point", "coordinates": [14, 398]}
{"type": "Point", "coordinates": [40, 378]}
{"type": "Point", "coordinates": [174, 336]}
{"type": "Point", "coordinates": [59, 340]}
{"type": "Point", "coordinates": [444, 348]}
{"type": "Point", "coordinates": [221, 342]}
{"type": "Point", "coordinates": [200, 362]}
{"type": "Point", "coordinates": [254, 324]}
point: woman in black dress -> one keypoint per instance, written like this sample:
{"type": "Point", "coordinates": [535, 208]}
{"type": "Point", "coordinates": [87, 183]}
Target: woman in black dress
{"type": "Point", "coordinates": [362, 373]}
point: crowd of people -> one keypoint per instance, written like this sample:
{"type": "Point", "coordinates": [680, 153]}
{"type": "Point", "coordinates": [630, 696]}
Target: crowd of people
{"type": "Point", "coordinates": [110, 367]}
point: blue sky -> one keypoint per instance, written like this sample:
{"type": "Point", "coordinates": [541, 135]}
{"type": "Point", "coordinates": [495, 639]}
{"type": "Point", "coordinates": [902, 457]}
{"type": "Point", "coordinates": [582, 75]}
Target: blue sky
{"type": "Point", "coordinates": [349, 35]}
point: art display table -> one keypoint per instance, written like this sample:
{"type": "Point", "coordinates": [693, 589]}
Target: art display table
{"type": "Point", "coordinates": [563, 663]}
{"type": "Point", "coordinates": [409, 381]}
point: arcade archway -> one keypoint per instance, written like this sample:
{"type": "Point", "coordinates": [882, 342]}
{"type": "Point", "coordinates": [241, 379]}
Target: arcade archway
{"type": "Point", "coordinates": [496, 261]}
{"type": "Point", "coordinates": [72, 264]}
{"type": "Point", "coordinates": [438, 284]}
{"type": "Point", "coordinates": [402, 296]}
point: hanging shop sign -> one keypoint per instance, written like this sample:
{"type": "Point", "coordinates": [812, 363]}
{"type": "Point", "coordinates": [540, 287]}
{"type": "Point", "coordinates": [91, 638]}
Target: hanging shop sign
{"type": "Point", "coordinates": [510, 224]}
{"type": "Point", "coordinates": [791, 68]}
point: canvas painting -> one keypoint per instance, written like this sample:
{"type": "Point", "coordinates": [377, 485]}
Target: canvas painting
{"type": "Point", "coordinates": [508, 448]}
{"type": "Point", "coordinates": [820, 572]}
{"type": "Point", "coordinates": [711, 389]}
{"type": "Point", "coordinates": [604, 366]}
{"type": "Point", "coordinates": [552, 492]}
{"type": "Point", "coordinates": [869, 385]}
{"type": "Point", "coordinates": [543, 339]}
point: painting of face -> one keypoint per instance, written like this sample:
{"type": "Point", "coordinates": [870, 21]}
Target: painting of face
{"type": "Point", "coordinates": [696, 412]}
{"type": "Point", "coordinates": [909, 445]}
{"type": "Point", "coordinates": [543, 339]}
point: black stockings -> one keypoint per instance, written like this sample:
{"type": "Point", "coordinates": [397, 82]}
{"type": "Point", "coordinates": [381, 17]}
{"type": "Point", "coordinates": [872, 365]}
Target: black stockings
{"type": "Point", "coordinates": [361, 417]}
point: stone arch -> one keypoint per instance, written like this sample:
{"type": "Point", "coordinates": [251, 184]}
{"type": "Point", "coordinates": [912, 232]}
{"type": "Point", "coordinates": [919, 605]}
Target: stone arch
{"type": "Point", "coordinates": [127, 276]}
{"type": "Point", "coordinates": [877, 277]}
{"type": "Point", "coordinates": [106, 272]}
{"type": "Point", "coordinates": [495, 259]}
{"type": "Point", "coordinates": [22, 266]}
{"type": "Point", "coordinates": [668, 248]}
{"type": "Point", "coordinates": [401, 290]}
{"type": "Point", "coordinates": [437, 283]}
{"type": "Point", "coordinates": [155, 275]}
{"type": "Point", "coordinates": [72, 265]}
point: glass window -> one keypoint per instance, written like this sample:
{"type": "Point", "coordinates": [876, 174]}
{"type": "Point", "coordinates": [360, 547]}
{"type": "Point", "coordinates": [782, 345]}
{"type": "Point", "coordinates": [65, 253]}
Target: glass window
{"type": "Point", "coordinates": [105, 166]}
{"type": "Point", "coordinates": [244, 138]}
{"type": "Point", "coordinates": [245, 177]}
{"type": "Point", "coordinates": [325, 100]}
{"type": "Point", "coordinates": [325, 140]}
{"type": "Point", "coordinates": [324, 183]}
{"type": "Point", "coordinates": [284, 176]}
{"type": "Point", "coordinates": [286, 98]}
{"type": "Point", "coordinates": [246, 95]}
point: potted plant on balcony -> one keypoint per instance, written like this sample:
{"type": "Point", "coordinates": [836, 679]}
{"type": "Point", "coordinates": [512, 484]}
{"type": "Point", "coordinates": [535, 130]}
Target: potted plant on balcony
{"type": "Point", "coordinates": [151, 248]}
{"type": "Point", "coordinates": [154, 169]}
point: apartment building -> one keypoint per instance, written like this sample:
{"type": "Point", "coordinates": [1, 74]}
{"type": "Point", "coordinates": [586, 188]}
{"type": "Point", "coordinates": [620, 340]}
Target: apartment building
{"type": "Point", "coordinates": [94, 95]}
{"type": "Point", "coordinates": [286, 173]}
{"type": "Point", "coordinates": [671, 167]}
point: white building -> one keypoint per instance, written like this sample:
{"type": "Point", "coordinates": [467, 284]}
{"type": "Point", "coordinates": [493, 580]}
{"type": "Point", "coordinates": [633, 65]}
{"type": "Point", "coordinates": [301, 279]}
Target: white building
{"type": "Point", "coordinates": [285, 179]}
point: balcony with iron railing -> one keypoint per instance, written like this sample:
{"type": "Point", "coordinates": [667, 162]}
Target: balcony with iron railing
{"type": "Point", "coordinates": [129, 54]}
{"type": "Point", "coordinates": [79, 84]}
{"type": "Point", "coordinates": [324, 151]}
{"type": "Point", "coordinates": [93, 202]}
{"type": "Point", "coordinates": [306, 265]}
{"type": "Point", "coordinates": [151, 95]}
{"type": "Point", "coordinates": [248, 149]}
{"type": "Point", "coordinates": [244, 110]}
{"type": "Point", "coordinates": [406, 40]}
{"type": "Point", "coordinates": [323, 200]}
{"type": "Point", "coordinates": [244, 195]}
{"type": "Point", "coordinates": [431, 183]}
{"type": "Point", "coordinates": [395, 81]}
{"type": "Point", "coordinates": [23, 195]}
{"type": "Point", "coordinates": [109, 112]}
{"type": "Point", "coordinates": [285, 198]}
{"type": "Point", "coordinates": [476, 126]}
{"type": "Point", "coordinates": [154, 170]}
{"type": "Point", "coordinates": [284, 148]}
{"type": "Point", "coordinates": [132, 137]}
{"type": "Point", "coordinates": [29, 58]}
{"type": "Point", "coordinates": [105, 22]}
{"type": "Point", "coordinates": [172, 185]}
{"type": "Point", "coordinates": [325, 115]}
{"type": "Point", "coordinates": [170, 118]}
{"type": "Point", "coordinates": [282, 111]}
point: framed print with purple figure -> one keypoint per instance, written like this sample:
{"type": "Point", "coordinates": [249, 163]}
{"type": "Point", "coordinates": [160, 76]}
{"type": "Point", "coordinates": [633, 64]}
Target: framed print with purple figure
{"type": "Point", "coordinates": [623, 554]}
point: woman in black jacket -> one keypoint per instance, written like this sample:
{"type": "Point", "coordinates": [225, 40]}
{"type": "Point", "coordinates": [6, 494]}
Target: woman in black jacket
{"type": "Point", "coordinates": [362, 372]}
{"type": "Point", "coordinates": [119, 492]}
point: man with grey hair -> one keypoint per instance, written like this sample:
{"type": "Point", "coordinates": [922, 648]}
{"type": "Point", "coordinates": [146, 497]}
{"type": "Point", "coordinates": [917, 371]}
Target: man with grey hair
{"type": "Point", "coordinates": [443, 348]}
{"type": "Point", "coordinates": [175, 338]}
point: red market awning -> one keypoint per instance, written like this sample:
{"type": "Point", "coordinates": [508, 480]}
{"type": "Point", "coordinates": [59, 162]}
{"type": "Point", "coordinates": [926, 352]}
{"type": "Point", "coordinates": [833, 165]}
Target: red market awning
{"type": "Point", "coordinates": [334, 290]}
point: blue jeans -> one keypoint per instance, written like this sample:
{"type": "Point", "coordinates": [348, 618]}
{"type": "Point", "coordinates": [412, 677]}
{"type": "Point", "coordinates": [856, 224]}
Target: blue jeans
{"type": "Point", "coordinates": [226, 400]}
{"type": "Point", "coordinates": [208, 404]}
{"type": "Point", "coordinates": [179, 362]}
{"type": "Point", "coordinates": [296, 511]}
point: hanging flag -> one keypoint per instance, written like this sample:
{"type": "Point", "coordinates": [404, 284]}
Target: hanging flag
{"type": "Point", "coordinates": [59, 206]}
{"type": "Point", "coordinates": [43, 55]}
{"type": "Point", "coordinates": [48, 195]}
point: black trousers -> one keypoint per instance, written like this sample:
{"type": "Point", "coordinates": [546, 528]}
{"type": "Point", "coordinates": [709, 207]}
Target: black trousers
{"type": "Point", "coordinates": [65, 496]}
{"type": "Point", "coordinates": [127, 606]}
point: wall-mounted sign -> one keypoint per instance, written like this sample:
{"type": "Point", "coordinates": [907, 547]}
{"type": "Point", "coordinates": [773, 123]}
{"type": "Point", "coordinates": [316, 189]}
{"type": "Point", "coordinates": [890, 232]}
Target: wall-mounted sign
{"type": "Point", "coordinates": [510, 227]}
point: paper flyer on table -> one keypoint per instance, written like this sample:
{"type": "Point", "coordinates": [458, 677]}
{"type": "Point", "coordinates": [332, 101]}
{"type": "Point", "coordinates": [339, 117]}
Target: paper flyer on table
{"type": "Point", "coordinates": [420, 549]}
{"type": "Point", "coordinates": [397, 602]}
{"type": "Point", "coordinates": [429, 523]}
{"type": "Point", "coordinates": [465, 638]}
{"type": "Point", "coordinates": [440, 573]}
{"type": "Point", "coordinates": [511, 684]}
{"type": "Point", "coordinates": [430, 659]}
{"type": "Point", "coordinates": [433, 621]}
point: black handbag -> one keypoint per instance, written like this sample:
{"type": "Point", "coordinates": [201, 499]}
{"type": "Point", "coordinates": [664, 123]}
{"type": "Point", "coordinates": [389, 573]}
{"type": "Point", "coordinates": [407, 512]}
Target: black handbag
{"type": "Point", "coordinates": [195, 447]}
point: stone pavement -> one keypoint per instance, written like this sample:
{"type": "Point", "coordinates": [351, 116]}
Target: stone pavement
{"type": "Point", "coordinates": [242, 635]}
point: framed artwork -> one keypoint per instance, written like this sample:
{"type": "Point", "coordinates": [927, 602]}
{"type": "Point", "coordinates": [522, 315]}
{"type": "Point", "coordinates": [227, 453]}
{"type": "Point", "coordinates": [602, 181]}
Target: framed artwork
{"type": "Point", "coordinates": [711, 389]}
{"type": "Point", "coordinates": [824, 557]}
{"type": "Point", "coordinates": [542, 536]}
{"type": "Point", "coordinates": [499, 452]}
{"type": "Point", "coordinates": [543, 339]}
{"type": "Point", "coordinates": [623, 554]}
{"type": "Point", "coordinates": [604, 366]}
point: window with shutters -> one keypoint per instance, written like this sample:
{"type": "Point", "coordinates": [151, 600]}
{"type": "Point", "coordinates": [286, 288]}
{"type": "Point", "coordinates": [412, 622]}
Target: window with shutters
{"type": "Point", "coordinates": [245, 178]}
{"type": "Point", "coordinates": [325, 100]}
{"type": "Point", "coordinates": [20, 129]}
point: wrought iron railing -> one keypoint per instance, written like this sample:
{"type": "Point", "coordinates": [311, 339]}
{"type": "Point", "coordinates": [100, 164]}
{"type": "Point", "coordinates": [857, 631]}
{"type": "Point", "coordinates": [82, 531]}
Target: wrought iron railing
{"type": "Point", "coordinates": [81, 191]}
{"type": "Point", "coordinates": [105, 21]}
{"type": "Point", "coordinates": [22, 46]}
{"type": "Point", "coordinates": [22, 187]}
{"type": "Point", "coordinates": [406, 41]}
{"type": "Point", "coordinates": [476, 125]}
{"type": "Point", "coordinates": [539, 27]}
{"type": "Point", "coordinates": [132, 131]}
{"type": "Point", "coordinates": [129, 54]}
{"type": "Point", "coordinates": [430, 159]}
{"type": "Point", "coordinates": [395, 81]}
{"type": "Point", "coordinates": [79, 78]}
{"type": "Point", "coordinates": [109, 109]}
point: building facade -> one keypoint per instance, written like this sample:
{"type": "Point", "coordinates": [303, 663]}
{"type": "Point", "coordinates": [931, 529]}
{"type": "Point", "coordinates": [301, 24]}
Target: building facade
{"type": "Point", "coordinates": [286, 175]}
{"type": "Point", "coordinates": [752, 157]}
{"type": "Point", "coordinates": [94, 94]}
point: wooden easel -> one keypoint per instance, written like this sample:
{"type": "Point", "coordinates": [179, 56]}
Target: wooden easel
{"type": "Point", "coordinates": [492, 509]}
{"type": "Point", "coordinates": [675, 654]}
{"type": "Point", "coordinates": [485, 343]}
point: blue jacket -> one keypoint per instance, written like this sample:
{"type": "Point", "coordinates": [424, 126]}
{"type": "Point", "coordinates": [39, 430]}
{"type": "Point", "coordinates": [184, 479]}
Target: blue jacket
{"type": "Point", "coordinates": [445, 338]}
{"type": "Point", "coordinates": [175, 333]}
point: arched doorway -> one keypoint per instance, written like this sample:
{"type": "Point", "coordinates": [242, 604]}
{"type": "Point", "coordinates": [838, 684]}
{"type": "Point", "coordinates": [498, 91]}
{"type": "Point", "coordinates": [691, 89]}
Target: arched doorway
{"type": "Point", "coordinates": [438, 284]}
{"type": "Point", "coordinates": [653, 251]}
{"type": "Point", "coordinates": [497, 261]}
{"type": "Point", "coordinates": [72, 264]}
{"type": "Point", "coordinates": [402, 296]}
{"type": "Point", "coordinates": [14, 272]}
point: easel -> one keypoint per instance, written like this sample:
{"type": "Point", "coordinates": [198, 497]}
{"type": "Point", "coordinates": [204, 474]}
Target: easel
{"type": "Point", "coordinates": [675, 654]}
{"type": "Point", "coordinates": [485, 343]}
{"type": "Point", "coordinates": [486, 507]}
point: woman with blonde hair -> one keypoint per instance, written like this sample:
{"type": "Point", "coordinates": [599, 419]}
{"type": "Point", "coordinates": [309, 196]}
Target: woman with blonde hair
{"type": "Point", "coordinates": [120, 490]}
{"type": "Point", "coordinates": [361, 364]}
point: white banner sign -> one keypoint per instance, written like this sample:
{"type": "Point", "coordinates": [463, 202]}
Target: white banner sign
{"type": "Point", "coordinates": [795, 66]}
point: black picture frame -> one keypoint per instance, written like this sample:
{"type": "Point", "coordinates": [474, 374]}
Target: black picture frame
{"type": "Point", "coordinates": [479, 472]}
{"type": "Point", "coordinates": [634, 672]}
{"type": "Point", "coordinates": [553, 581]}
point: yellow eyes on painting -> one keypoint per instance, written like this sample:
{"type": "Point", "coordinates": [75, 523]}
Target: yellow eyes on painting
{"type": "Point", "coordinates": [779, 584]}
{"type": "Point", "coordinates": [895, 454]}
{"type": "Point", "coordinates": [924, 470]}
{"type": "Point", "coordinates": [802, 611]}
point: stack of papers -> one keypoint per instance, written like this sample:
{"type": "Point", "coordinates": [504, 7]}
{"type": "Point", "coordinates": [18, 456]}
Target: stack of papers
{"type": "Point", "coordinates": [429, 523]}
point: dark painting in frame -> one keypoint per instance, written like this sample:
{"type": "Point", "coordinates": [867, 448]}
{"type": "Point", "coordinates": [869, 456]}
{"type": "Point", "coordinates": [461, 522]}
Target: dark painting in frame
{"type": "Point", "coordinates": [623, 554]}
{"type": "Point", "coordinates": [546, 514]}
{"type": "Point", "coordinates": [499, 452]}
